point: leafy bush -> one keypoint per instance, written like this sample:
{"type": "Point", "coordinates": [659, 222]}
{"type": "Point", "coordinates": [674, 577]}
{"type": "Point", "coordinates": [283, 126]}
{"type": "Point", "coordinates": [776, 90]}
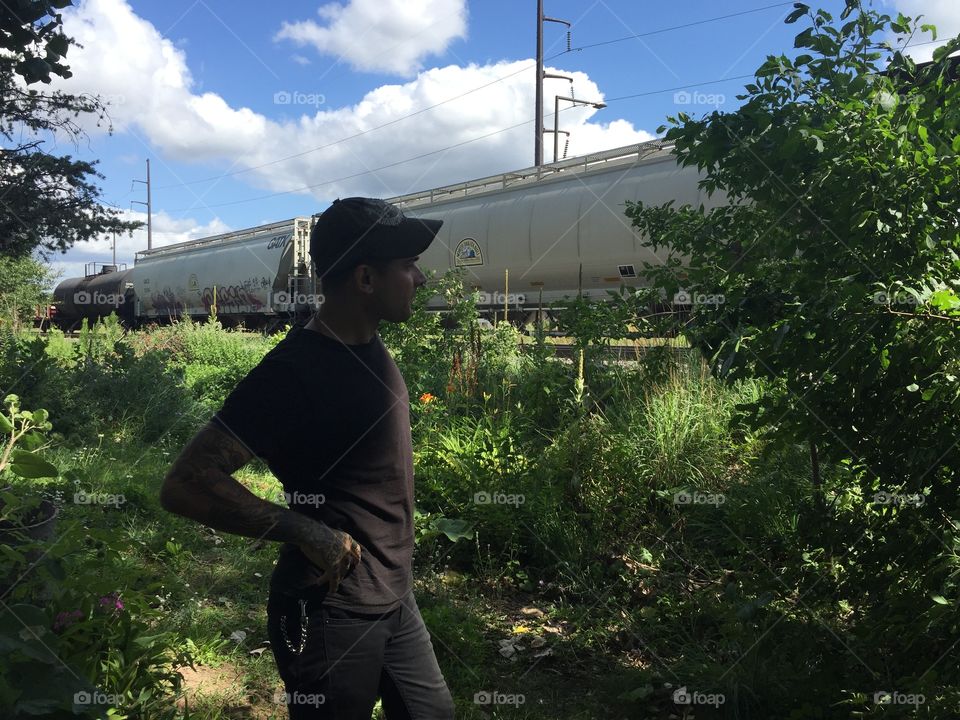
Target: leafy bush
{"type": "Point", "coordinates": [835, 260]}
{"type": "Point", "coordinates": [77, 634]}
{"type": "Point", "coordinates": [99, 385]}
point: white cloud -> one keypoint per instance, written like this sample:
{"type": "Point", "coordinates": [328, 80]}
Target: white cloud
{"type": "Point", "coordinates": [125, 56]}
{"type": "Point", "coordinates": [146, 79]}
{"type": "Point", "coordinates": [486, 132]}
{"type": "Point", "coordinates": [392, 36]}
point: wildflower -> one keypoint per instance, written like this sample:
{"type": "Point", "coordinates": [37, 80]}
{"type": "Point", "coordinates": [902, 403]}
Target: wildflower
{"type": "Point", "coordinates": [111, 601]}
{"type": "Point", "coordinates": [427, 398]}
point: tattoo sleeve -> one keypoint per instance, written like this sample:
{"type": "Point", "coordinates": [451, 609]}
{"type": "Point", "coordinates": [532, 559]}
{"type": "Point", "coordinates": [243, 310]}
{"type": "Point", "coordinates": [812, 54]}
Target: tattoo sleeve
{"type": "Point", "coordinates": [200, 486]}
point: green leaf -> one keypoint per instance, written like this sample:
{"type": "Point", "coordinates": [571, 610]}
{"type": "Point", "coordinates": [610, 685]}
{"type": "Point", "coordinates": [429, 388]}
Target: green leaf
{"type": "Point", "coordinates": [30, 465]}
{"type": "Point", "coordinates": [454, 529]}
{"type": "Point", "coordinates": [932, 29]}
{"type": "Point", "coordinates": [800, 11]}
{"type": "Point", "coordinates": [912, 387]}
{"type": "Point", "coordinates": [945, 299]}
{"type": "Point", "coordinates": [939, 599]}
{"type": "Point", "coordinates": [804, 39]}
{"type": "Point", "coordinates": [31, 441]}
{"type": "Point", "coordinates": [5, 427]}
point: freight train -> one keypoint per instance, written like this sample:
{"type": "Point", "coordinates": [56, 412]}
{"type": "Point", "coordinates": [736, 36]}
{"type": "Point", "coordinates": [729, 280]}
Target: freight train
{"type": "Point", "coordinates": [522, 238]}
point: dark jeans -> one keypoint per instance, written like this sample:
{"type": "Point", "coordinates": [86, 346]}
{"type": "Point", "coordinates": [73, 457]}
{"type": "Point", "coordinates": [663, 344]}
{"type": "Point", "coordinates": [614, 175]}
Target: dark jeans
{"type": "Point", "coordinates": [350, 659]}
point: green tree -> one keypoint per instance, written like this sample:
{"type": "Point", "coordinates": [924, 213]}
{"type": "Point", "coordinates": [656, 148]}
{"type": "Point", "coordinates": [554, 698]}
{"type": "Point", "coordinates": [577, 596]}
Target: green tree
{"type": "Point", "coordinates": [46, 201]}
{"type": "Point", "coordinates": [22, 288]}
{"type": "Point", "coordinates": [833, 270]}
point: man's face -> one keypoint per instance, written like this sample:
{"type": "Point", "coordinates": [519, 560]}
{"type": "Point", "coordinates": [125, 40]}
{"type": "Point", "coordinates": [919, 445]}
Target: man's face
{"type": "Point", "coordinates": [395, 287]}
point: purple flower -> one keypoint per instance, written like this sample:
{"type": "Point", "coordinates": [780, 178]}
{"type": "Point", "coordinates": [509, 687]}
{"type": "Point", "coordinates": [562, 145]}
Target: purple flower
{"type": "Point", "coordinates": [111, 601]}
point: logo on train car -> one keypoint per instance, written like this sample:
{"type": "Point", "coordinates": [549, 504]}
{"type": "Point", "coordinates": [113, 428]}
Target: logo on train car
{"type": "Point", "coordinates": [277, 241]}
{"type": "Point", "coordinates": [468, 253]}
{"type": "Point", "coordinates": [193, 283]}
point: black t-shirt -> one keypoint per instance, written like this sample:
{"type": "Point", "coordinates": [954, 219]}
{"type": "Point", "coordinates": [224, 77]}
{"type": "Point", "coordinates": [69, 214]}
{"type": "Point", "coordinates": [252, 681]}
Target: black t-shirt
{"type": "Point", "coordinates": [332, 422]}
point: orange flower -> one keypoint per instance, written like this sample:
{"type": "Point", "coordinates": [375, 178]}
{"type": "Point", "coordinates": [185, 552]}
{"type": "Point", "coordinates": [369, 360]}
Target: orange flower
{"type": "Point", "coordinates": [427, 398]}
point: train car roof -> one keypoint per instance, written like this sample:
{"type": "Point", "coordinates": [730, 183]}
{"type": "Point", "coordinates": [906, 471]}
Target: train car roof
{"type": "Point", "coordinates": [232, 236]}
{"type": "Point", "coordinates": [548, 172]}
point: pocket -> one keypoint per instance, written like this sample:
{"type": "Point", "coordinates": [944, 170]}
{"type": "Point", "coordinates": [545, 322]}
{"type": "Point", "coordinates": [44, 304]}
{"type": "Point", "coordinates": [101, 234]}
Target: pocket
{"type": "Point", "coordinates": [352, 653]}
{"type": "Point", "coordinates": [339, 616]}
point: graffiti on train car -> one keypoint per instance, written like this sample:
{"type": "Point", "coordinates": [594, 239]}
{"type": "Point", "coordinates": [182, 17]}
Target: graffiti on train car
{"type": "Point", "coordinates": [232, 298]}
{"type": "Point", "coordinates": [166, 302]}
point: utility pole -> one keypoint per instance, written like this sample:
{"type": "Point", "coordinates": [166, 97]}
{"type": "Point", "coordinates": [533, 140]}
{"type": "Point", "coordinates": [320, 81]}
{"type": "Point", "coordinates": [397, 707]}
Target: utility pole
{"type": "Point", "coordinates": [149, 208]}
{"type": "Point", "coordinates": [538, 110]}
{"type": "Point", "coordinates": [556, 117]}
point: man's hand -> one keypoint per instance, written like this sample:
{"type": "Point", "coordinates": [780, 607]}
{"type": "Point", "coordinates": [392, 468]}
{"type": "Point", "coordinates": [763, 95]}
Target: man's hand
{"type": "Point", "coordinates": [200, 486]}
{"type": "Point", "coordinates": [334, 552]}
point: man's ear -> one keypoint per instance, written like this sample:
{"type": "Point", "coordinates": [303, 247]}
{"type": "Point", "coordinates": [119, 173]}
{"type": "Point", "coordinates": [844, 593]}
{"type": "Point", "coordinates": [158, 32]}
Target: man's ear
{"type": "Point", "coordinates": [362, 278]}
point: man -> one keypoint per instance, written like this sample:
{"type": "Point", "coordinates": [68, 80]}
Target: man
{"type": "Point", "coordinates": [328, 410]}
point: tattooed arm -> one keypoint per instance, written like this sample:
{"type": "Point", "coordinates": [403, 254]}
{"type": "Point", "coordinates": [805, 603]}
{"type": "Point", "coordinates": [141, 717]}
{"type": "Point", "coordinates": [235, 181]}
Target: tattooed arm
{"type": "Point", "coordinates": [200, 486]}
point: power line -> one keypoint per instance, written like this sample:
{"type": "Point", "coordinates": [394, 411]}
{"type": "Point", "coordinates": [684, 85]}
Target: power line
{"type": "Point", "coordinates": [365, 172]}
{"type": "Point", "coordinates": [445, 149]}
{"type": "Point", "coordinates": [350, 137]}
{"type": "Point", "coordinates": [476, 139]}
{"type": "Point", "coordinates": [472, 140]}
{"type": "Point", "coordinates": [679, 87]}
{"type": "Point", "coordinates": [680, 27]}
{"type": "Point", "coordinates": [457, 97]}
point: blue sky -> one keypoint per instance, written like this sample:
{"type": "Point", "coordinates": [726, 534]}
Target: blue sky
{"type": "Point", "coordinates": [241, 105]}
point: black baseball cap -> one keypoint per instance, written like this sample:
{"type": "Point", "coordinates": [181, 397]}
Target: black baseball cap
{"type": "Point", "coordinates": [358, 229]}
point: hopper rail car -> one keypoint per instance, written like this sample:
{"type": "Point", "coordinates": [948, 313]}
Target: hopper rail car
{"type": "Point", "coordinates": [522, 238]}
